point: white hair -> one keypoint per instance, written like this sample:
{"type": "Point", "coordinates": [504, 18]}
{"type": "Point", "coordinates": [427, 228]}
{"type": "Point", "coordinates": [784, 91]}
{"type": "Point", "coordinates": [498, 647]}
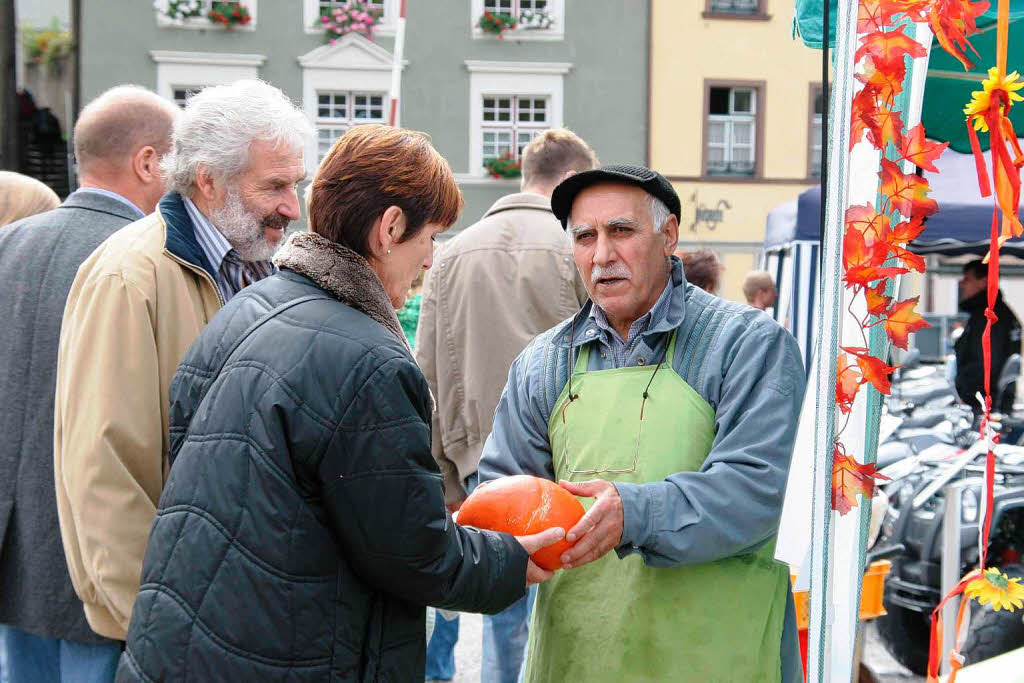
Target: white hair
{"type": "Point", "coordinates": [221, 122]}
{"type": "Point", "coordinates": [659, 212]}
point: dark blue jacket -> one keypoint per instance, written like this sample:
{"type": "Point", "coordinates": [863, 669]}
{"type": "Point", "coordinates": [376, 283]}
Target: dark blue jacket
{"type": "Point", "coordinates": [302, 529]}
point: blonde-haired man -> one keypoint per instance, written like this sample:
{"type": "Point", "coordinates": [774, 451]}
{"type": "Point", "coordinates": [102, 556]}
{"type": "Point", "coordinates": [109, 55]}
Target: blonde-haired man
{"type": "Point", "coordinates": [495, 286]}
{"type": "Point", "coordinates": [759, 289]}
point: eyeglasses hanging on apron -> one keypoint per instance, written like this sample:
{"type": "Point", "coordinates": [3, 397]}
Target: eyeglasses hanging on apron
{"type": "Point", "coordinates": [582, 360]}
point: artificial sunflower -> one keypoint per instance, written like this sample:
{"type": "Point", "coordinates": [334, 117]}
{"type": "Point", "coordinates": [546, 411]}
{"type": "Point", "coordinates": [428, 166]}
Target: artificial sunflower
{"type": "Point", "coordinates": [982, 99]}
{"type": "Point", "coordinates": [997, 588]}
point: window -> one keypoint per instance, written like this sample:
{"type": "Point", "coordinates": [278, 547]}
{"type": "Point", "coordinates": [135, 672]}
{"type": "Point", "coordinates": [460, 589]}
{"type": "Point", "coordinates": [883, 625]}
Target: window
{"type": "Point", "coordinates": [741, 7]}
{"type": "Point", "coordinates": [732, 131]}
{"type": "Point", "coordinates": [332, 4]}
{"type": "Point", "coordinates": [535, 19]}
{"type": "Point", "coordinates": [182, 94]}
{"type": "Point", "coordinates": [816, 132]}
{"type": "Point", "coordinates": [184, 14]}
{"type": "Point", "coordinates": [509, 104]}
{"type": "Point", "coordinates": [514, 7]}
{"type": "Point", "coordinates": [339, 111]}
{"type": "Point", "coordinates": [510, 122]}
{"type": "Point", "coordinates": [180, 75]}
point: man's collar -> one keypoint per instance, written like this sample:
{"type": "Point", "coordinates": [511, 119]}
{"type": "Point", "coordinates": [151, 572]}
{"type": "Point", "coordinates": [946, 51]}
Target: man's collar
{"type": "Point", "coordinates": [584, 329]}
{"type": "Point", "coordinates": [214, 245]}
{"type": "Point", "coordinates": [104, 200]}
{"type": "Point", "coordinates": [520, 200]}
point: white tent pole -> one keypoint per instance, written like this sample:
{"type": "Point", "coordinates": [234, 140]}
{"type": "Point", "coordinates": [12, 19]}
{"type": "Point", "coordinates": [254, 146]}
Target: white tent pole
{"type": "Point", "coordinates": [396, 65]}
{"type": "Point", "coordinates": [824, 370]}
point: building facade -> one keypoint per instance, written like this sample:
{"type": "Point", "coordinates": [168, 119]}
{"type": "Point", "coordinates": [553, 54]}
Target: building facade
{"type": "Point", "coordinates": [735, 106]}
{"type": "Point", "coordinates": [477, 95]}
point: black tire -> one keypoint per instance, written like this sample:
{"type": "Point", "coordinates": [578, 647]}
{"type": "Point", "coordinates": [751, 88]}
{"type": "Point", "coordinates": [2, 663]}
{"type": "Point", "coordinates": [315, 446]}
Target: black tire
{"type": "Point", "coordinates": [905, 635]}
{"type": "Point", "coordinates": [993, 633]}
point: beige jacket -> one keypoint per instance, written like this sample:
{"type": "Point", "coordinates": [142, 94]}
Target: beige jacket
{"type": "Point", "coordinates": [492, 289]}
{"type": "Point", "coordinates": [133, 311]}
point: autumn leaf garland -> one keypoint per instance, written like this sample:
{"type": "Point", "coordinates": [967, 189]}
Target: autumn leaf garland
{"type": "Point", "coordinates": [875, 239]}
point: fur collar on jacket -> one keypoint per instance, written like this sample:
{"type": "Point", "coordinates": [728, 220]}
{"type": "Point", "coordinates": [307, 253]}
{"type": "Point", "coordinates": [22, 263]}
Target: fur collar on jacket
{"type": "Point", "coordinates": [343, 273]}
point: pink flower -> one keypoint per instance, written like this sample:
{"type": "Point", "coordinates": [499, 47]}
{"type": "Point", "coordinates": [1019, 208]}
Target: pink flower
{"type": "Point", "coordinates": [324, 19]}
{"type": "Point", "coordinates": [337, 29]}
{"type": "Point", "coordinates": [336, 12]}
{"type": "Point", "coordinates": [332, 41]}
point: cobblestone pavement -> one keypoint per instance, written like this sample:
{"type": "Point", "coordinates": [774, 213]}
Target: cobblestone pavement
{"type": "Point", "coordinates": [467, 655]}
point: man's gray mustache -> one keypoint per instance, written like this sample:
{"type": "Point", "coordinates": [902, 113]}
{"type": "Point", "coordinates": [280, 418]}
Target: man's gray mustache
{"type": "Point", "coordinates": [617, 271]}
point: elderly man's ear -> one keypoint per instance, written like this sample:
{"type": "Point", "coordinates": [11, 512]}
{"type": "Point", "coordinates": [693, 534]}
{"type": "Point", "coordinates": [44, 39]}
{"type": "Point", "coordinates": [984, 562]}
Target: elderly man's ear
{"type": "Point", "coordinates": [671, 232]}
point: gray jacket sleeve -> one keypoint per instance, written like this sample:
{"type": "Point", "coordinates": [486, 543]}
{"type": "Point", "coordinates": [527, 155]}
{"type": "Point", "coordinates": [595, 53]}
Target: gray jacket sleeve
{"type": "Point", "coordinates": [732, 505]}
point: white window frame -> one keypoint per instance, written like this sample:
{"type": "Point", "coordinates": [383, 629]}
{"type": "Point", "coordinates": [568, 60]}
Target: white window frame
{"type": "Point", "coordinates": [353, 64]}
{"type": "Point", "coordinates": [349, 120]}
{"type": "Point", "coordinates": [177, 70]}
{"type": "Point", "coordinates": [514, 125]}
{"type": "Point", "coordinates": [556, 8]}
{"type": "Point", "coordinates": [385, 28]}
{"type": "Point", "coordinates": [536, 79]}
{"type": "Point", "coordinates": [740, 11]}
{"type": "Point", "coordinates": [202, 23]}
{"type": "Point", "coordinates": [729, 120]}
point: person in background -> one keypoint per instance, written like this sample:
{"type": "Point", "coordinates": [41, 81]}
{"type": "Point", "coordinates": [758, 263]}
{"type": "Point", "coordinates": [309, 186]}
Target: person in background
{"type": "Point", "coordinates": [968, 350]}
{"type": "Point", "coordinates": [22, 196]}
{"type": "Point", "coordinates": [497, 284]}
{"type": "Point", "coordinates": [137, 304]}
{"type": "Point", "coordinates": [120, 138]}
{"type": "Point", "coordinates": [409, 314]}
{"type": "Point", "coordinates": [759, 290]}
{"type": "Point", "coordinates": [702, 268]}
{"type": "Point", "coordinates": [303, 527]}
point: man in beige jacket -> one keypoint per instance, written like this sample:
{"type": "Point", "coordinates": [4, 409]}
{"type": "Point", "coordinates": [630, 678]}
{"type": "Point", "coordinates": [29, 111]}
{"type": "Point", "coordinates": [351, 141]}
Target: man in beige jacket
{"type": "Point", "coordinates": [134, 309]}
{"type": "Point", "coordinates": [494, 287]}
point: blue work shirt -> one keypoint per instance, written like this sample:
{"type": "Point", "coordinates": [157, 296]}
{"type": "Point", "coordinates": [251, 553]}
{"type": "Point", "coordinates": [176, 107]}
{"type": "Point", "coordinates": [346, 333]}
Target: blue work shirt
{"type": "Point", "coordinates": [747, 367]}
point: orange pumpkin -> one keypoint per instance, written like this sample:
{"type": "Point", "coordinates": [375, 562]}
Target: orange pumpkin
{"type": "Point", "coordinates": [523, 505]}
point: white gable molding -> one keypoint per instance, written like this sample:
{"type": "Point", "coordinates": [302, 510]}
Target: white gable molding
{"type": "Point", "coordinates": [181, 69]}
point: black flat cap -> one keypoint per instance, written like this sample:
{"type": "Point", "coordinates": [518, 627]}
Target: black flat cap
{"type": "Point", "coordinates": [652, 181]}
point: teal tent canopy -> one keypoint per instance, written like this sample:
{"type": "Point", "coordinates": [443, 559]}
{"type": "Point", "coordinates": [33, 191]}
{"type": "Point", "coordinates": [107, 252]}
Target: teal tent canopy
{"type": "Point", "coordinates": [809, 14]}
{"type": "Point", "coordinates": [948, 87]}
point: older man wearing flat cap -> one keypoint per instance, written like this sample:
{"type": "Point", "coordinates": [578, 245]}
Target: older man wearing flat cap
{"type": "Point", "coordinates": [672, 413]}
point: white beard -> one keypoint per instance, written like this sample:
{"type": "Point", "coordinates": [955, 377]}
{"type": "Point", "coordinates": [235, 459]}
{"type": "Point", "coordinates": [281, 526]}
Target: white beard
{"type": "Point", "coordinates": [244, 228]}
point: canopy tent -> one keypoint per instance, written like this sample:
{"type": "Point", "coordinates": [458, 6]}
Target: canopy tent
{"type": "Point", "coordinates": [791, 245]}
{"type": "Point", "coordinates": [947, 87]}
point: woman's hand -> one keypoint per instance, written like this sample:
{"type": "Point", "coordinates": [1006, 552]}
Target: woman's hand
{"type": "Point", "coordinates": [532, 544]}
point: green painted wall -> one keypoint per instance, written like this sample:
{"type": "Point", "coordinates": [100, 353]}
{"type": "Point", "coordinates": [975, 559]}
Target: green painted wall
{"type": "Point", "coordinates": [605, 92]}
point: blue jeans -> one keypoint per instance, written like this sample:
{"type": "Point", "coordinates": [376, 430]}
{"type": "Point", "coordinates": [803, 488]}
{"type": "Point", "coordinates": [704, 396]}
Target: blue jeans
{"type": "Point", "coordinates": [34, 659]}
{"type": "Point", "coordinates": [441, 648]}
{"type": "Point", "coordinates": [505, 636]}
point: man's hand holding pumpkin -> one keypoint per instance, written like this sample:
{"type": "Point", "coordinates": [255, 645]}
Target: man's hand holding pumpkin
{"type": "Point", "coordinates": [532, 544]}
{"type": "Point", "coordinates": [600, 530]}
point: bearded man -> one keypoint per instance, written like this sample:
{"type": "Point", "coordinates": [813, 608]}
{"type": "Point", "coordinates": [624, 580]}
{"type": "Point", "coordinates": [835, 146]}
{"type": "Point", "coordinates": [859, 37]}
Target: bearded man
{"type": "Point", "coordinates": [136, 306]}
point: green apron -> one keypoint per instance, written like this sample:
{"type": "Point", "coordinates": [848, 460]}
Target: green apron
{"type": "Point", "coordinates": [618, 619]}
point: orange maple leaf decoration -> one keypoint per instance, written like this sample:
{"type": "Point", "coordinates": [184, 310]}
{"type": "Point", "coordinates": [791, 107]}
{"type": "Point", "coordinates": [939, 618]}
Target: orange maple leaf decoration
{"type": "Point", "coordinates": [952, 21]}
{"type": "Point", "coordinates": [901, 320]}
{"type": "Point", "coordinates": [884, 126]}
{"type": "Point", "coordinates": [869, 16]}
{"type": "Point", "coordinates": [848, 381]}
{"type": "Point", "coordinates": [915, 10]}
{"type": "Point", "coordinates": [887, 83]}
{"type": "Point", "coordinates": [872, 225]}
{"type": "Point", "coordinates": [874, 370]}
{"type": "Point", "coordinates": [863, 263]}
{"type": "Point", "coordinates": [849, 478]}
{"type": "Point", "coordinates": [907, 192]}
{"type": "Point", "coordinates": [903, 232]}
{"type": "Point", "coordinates": [878, 302]}
{"type": "Point", "coordinates": [921, 151]}
{"type": "Point", "coordinates": [888, 48]}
